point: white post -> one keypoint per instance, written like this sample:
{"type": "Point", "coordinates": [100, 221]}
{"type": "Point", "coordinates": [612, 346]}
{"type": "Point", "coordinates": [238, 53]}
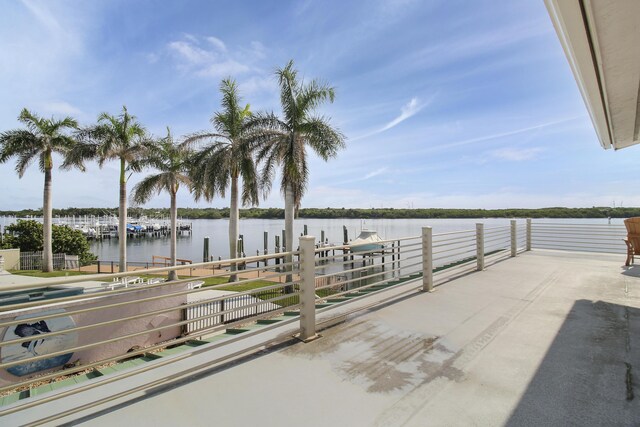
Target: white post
{"type": "Point", "coordinates": [307, 289]}
{"type": "Point", "coordinates": [514, 247]}
{"type": "Point", "coordinates": [480, 246]}
{"type": "Point", "coordinates": [427, 259]}
{"type": "Point", "coordinates": [528, 234]}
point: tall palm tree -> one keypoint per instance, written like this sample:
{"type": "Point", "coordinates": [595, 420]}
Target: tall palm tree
{"type": "Point", "coordinates": [225, 158]}
{"type": "Point", "coordinates": [283, 142]}
{"type": "Point", "coordinates": [40, 140]}
{"type": "Point", "coordinates": [119, 138]}
{"type": "Point", "coordinates": [172, 162]}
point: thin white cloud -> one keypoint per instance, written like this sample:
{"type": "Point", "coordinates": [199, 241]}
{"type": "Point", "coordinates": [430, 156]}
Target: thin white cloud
{"type": "Point", "coordinates": [61, 108]}
{"type": "Point", "coordinates": [514, 154]}
{"type": "Point", "coordinates": [258, 49]}
{"type": "Point", "coordinates": [510, 133]}
{"type": "Point", "coordinates": [257, 84]}
{"type": "Point", "coordinates": [44, 16]}
{"type": "Point", "coordinates": [376, 172]}
{"type": "Point", "coordinates": [191, 53]}
{"type": "Point", "coordinates": [223, 69]}
{"type": "Point", "coordinates": [217, 43]}
{"type": "Point", "coordinates": [209, 56]}
{"type": "Point", "coordinates": [407, 111]}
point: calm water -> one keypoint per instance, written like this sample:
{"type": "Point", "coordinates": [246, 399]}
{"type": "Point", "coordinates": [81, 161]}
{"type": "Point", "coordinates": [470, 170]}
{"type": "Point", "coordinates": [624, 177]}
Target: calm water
{"type": "Point", "coordinates": [191, 246]}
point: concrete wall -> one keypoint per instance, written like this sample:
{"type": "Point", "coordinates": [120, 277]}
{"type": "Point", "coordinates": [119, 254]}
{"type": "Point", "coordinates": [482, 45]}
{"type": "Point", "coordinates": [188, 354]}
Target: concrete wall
{"type": "Point", "coordinates": [101, 333]}
{"type": "Point", "coordinates": [11, 258]}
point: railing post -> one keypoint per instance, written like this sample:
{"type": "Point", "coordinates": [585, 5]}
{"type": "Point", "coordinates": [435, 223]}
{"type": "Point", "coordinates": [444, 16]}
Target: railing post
{"type": "Point", "coordinates": [427, 259]}
{"type": "Point", "coordinates": [514, 246]}
{"type": "Point", "coordinates": [480, 246]}
{"type": "Point", "coordinates": [528, 234]}
{"type": "Point", "coordinates": [307, 289]}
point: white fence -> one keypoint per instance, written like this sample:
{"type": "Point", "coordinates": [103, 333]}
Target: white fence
{"type": "Point", "coordinates": [34, 261]}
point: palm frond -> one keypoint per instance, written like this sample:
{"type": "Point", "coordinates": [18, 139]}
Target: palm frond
{"type": "Point", "coordinates": [17, 141]}
{"type": "Point", "coordinates": [145, 189]}
{"type": "Point", "coordinates": [325, 140]}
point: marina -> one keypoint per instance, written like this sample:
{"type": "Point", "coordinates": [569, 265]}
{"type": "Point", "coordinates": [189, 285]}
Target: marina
{"type": "Point", "coordinates": [106, 227]}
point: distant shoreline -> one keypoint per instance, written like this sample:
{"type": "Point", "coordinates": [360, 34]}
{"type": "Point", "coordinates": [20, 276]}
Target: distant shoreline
{"type": "Point", "coordinates": [337, 213]}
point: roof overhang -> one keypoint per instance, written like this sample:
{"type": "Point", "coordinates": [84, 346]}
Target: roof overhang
{"type": "Point", "coordinates": [601, 39]}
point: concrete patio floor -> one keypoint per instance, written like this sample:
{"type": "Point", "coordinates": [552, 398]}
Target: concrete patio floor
{"type": "Point", "coordinates": [547, 338]}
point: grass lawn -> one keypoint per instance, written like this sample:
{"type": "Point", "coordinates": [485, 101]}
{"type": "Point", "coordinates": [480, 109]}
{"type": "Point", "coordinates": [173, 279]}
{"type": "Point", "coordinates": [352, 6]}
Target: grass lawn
{"type": "Point", "coordinates": [213, 281]}
{"type": "Point", "coordinates": [58, 273]}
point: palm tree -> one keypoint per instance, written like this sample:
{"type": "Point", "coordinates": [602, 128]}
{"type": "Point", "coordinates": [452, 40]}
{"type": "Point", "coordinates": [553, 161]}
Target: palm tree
{"type": "Point", "coordinates": [172, 162]}
{"type": "Point", "coordinates": [40, 140]}
{"type": "Point", "coordinates": [283, 141]}
{"type": "Point", "coordinates": [119, 138]}
{"type": "Point", "coordinates": [225, 158]}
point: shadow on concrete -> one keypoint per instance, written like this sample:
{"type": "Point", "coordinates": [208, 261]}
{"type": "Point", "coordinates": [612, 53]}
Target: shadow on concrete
{"type": "Point", "coordinates": [589, 375]}
{"type": "Point", "coordinates": [632, 270]}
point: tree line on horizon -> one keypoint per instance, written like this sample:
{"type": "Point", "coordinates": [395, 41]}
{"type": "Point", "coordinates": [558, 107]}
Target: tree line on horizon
{"type": "Point", "coordinates": [351, 213]}
{"type": "Point", "coordinates": [240, 155]}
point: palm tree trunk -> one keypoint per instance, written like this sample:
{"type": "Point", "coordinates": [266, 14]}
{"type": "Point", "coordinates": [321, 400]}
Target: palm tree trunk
{"type": "Point", "coordinates": [234, 226]}
{"type": "Point", "coordinates": [289, 207]}
{"type": "Point", "coordinates": [47, 264]}
{"type": "Point", "coordinates": [173, 275]}
{"type": "Point", "coordinates": [122, 223]}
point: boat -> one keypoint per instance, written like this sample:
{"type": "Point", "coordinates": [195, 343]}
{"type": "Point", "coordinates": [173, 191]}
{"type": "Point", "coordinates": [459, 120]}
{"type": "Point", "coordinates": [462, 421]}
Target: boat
{"type": "Point", "coordinates": [367, 241]}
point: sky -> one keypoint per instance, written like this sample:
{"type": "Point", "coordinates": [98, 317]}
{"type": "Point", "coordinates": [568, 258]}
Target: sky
{"type": "Point", "coordinates": [444, 104]}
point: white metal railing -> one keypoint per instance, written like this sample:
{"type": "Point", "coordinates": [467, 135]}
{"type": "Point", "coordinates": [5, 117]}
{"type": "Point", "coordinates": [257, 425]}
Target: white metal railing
{"type": "Point", "coordinates": [606, 238]}
{"type": "Point", "coordinates": [125, 318]}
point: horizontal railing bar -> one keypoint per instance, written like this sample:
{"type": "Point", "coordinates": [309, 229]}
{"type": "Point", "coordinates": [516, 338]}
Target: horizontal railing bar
{"type": "Point", "coordinates": [347, 246]}
{"type": "Point", "coordinates": [151, 271]}
{"type": "Point", "coordinates": [356, 279]}
{"type": "Point", "coordinates": [559, 224]}
{"type": "Point", "coordinates": [5, 365]}
{"type": "Point", "coordinates": [451, 258]}
{"type": "Point", "coordinates": [350, 291]}
{"type": "Point", "coordinates": [454, 251]}
{"type": "Point", "coordinates": [137, 301]}
{"type": "Point", "coordinates": [578, 248]}
{"type": "Point", "coordinates": [454, 243]}
{"type": "Point", "coordinates": [472, 232]}
{"type": "Point", "coordinates": [372, 257]}
{"type": "Point", "coordinates": [599, 242]}
{"type": "Point", "coordinates": [570, 232]}
{"type": "Point", "coordinates": [456, 239]}
{"type": "Point", "coordinates": [117, 358]}
{"type": "Point", "coordinates": [187, 305]}
{"type": "Point", "coordinates": [498, 227]}
{"type": "Point", "coordinates": [353, 270]}
{"type": "Point", "coordinates": [387, 250]}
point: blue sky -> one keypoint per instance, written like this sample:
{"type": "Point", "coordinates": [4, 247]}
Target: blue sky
{"type": "Point", "coordinates": [444, 103]}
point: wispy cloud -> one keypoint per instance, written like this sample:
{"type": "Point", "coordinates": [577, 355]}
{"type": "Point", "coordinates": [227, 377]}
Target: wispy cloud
{"type": "Point", "coordinates": [256, 84]}
{"type": "Point", "coordinates": [493, 136]}
{"type": "Point", "coordinates": [407, 111]}
{"type": "Point", "coordinates": [376, 172]}
{"type": "Point", "coordinates": [60, 108]}
{"type": "Point", "coordinates": [217, 43]}
{"type": "Point", "coordinates": [209, 56]}
{"type": "Point", "coordinates": [57, 32]}
{"type": "Point", "coordinates": [514, 154]}
{"type": "Point", "coordinates": [44, 16]}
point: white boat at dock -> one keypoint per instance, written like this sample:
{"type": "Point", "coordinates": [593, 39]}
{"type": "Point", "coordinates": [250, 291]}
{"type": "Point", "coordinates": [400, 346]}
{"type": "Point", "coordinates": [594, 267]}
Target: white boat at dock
{"type": "Point", "coordinates": [367, 241]}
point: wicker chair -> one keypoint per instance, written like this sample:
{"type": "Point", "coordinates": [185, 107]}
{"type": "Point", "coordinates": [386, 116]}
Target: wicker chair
{"type": "Point", "coordinates": [633, 238]}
